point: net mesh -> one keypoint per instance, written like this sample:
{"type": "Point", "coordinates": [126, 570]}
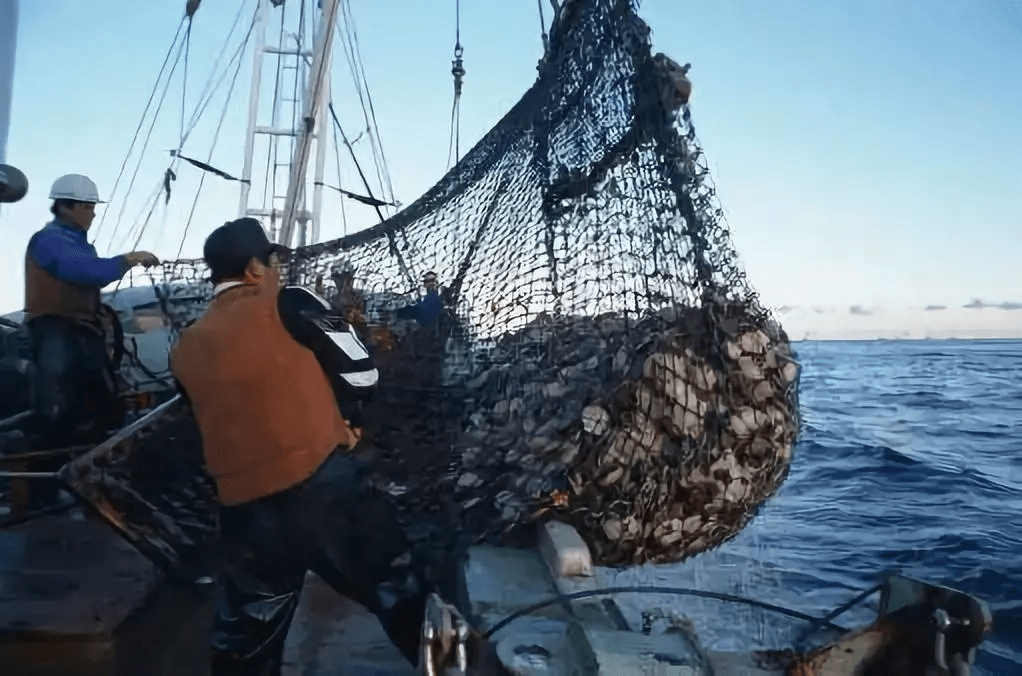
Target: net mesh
{"type": "Point", "coordinates": [599, 357]}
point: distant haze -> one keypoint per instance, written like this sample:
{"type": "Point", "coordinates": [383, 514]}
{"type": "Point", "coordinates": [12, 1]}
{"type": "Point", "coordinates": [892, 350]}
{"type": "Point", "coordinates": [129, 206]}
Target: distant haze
{"type": "Point", "coordinates": [976, 320]}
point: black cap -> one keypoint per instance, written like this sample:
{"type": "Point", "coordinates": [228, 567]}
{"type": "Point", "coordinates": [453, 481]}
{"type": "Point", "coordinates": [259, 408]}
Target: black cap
{"type": "Point", "coordinates": [230, 247]}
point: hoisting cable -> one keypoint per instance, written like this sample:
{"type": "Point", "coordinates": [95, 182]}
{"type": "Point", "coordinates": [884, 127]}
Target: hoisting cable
{"type": "Point", "coordinates": [149, 135]}
{"type": "Point", "coordinates": [390, 235]}
{"type": "Point", "coordinates": [382, 169]}
{"type": "Point", "coordinates": [354, 58]}
{"type": "Point", "coordinates": [216, 135]}
{"type": "Point", "coordinates": [184, 81]}
{"type": "Point", "coordinates": [337, 161]}
{"type": "Point", "coordinates": [458, 71]}
{"type": "Point", "coordinates": [141, 121]}
{"type": "Point", "coordinates": [170, 173]}
{"type": "Point", "coordinates": [351, 151]}
{"type": "Point", "coordinates": [210, 89]}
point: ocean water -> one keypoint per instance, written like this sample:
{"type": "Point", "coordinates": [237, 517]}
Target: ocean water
{"type": "Point", "coordinates": [911, 460]}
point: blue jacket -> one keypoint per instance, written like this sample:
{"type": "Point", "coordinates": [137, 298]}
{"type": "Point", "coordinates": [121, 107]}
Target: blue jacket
{"type": "Point", "coordinates": [64, 252]}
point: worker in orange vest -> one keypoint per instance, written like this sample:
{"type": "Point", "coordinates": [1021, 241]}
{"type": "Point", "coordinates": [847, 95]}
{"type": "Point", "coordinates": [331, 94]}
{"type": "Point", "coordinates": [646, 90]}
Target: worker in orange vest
{"type": "Point", "coordinates": [271, 378]}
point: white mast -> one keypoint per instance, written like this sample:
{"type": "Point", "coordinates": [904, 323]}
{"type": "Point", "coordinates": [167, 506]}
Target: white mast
{"type": "Point", "coordinates": [8, 46]}
{"type": "Point", "coordinates": [310, 129]}
{"type": "Point", "coordinates": [316, 89]}
{"type": "Point", "coordinates": [259, 34]}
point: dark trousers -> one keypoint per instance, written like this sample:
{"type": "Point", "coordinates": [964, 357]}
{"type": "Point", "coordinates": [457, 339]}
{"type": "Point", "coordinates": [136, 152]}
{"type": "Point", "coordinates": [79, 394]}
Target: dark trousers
{"type": "Point", "coordinates": [75, 395]}
{"type": "Point", "coordinates": [334, 524]}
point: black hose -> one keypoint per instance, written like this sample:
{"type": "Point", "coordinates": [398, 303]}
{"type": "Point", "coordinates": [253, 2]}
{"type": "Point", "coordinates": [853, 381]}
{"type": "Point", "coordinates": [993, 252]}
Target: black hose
{"type": "Point", "coordinates": [677, 591]}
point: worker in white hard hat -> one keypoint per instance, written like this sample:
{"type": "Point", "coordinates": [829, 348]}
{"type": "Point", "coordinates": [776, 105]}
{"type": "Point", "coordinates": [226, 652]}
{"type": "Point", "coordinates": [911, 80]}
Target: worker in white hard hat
{"type": "Point", "coordinates": [74, 385]}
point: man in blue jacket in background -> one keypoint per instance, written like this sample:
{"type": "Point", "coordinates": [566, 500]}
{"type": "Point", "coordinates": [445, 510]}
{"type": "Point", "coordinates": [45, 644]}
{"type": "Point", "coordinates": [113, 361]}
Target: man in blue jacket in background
{"type": "Point", "coordinates": [75, 397]}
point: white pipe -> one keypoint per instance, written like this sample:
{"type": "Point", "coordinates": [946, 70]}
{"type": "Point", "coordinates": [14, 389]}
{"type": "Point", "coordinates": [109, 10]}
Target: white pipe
{"type": "Point", "coordinates": [253, 103]}
{"type": "Point", "coordinates": [313, 101]}
{"type": "Point", "coordinates": [322, 134]}
{"type": "Point", "coordinates": [8, 47]}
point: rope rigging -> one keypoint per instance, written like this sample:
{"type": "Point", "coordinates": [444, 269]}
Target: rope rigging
{"type": "Point", "coordinates": [163, 187]}
{"type": "Point", "coordinates": [145, 145]}
{"type": "Point", "coordinates": [209, 91]}
{"type": "Point", "coordinates": [138, 129]}
{"type": "Point", "coordinates": [216, 136]}
{"type": "Point", "coordinates": [352, 53]}
{"type": "Point", "coordinates": [458, 71]}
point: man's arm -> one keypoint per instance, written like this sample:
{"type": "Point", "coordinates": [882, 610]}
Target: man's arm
{"type": "Point", "coordinates": [73, 261]}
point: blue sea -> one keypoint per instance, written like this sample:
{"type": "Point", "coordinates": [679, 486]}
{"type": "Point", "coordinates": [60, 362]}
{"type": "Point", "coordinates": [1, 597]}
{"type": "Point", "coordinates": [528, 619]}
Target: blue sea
{"type": "Point", "coordinates": [910, 460]}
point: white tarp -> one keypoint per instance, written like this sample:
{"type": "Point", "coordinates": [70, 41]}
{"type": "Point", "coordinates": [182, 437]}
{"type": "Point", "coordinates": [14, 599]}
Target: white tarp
{"type": "Point", "coordinates": [8, 44]}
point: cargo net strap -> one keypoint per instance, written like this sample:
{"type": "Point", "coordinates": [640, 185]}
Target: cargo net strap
{"type": "Point", "coordinates": [591, 351]}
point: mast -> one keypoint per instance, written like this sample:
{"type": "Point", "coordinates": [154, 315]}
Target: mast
{"type": "Point", "coordinates": [313, 83]}
{"type": "Point", "coordinates": [253, 103]}
{"type": "Point", "coordinates": [8, 46]}
{"type": "Point", "coordinates": [318, 79]}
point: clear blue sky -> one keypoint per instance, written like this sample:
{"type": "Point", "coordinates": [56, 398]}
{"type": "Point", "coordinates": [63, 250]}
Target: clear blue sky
{"type": "Point", "coordinates": [866, 153]}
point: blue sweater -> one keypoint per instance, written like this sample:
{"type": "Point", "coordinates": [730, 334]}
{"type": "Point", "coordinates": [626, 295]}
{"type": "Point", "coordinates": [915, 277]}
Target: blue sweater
{"type": "Point", "coordinates": [64, 252]}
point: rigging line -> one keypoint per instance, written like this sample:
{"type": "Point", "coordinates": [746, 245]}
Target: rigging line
{"type": "Point", "coordinates": [348, 41]}
{"type": "Point", "coordinates": [135, 223]}
{"type": "Point", "coordinates": [337, 158]}
{"type": "Point", "coordinates": [458, 71]}
{"type": "Point", "coordinates": [372, 108]}
{"type": "Point", "coordinates": [351, 150]}
{"type": "Point", "coordinates": [131, 147]}
{"type": "Point", "coordinates": [184, 80]}
{"type": "Point", "coordinates": [209, 98]}
{"type": "Point", "coordinates": [216, 136]}
{"type": "Point", "coordinates": [154, 199]}
{"type": "Point", "coordinates": [170, 174]}
{"type": "Point", "coordinates": [450, 142]}
{"type": "Point", "coordinates": [149, 135]}
{"type": "Point", "coordinates": [345, 39]}
{"type": "Point", "coordinates": [206, 89]}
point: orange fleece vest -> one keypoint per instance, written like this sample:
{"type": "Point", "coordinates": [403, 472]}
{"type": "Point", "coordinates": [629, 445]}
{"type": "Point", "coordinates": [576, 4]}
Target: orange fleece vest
{"type": "Point", "coordinates": [264, 407]}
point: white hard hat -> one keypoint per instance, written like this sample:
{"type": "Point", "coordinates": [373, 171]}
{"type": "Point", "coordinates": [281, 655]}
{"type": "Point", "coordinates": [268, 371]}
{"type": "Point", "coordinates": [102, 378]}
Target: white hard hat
{"type": "Point", "coordinates": [75, 187]}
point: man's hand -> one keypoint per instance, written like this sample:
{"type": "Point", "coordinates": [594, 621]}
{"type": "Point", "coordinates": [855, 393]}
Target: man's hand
{"type": "Point", "coordinates": [143, 258]}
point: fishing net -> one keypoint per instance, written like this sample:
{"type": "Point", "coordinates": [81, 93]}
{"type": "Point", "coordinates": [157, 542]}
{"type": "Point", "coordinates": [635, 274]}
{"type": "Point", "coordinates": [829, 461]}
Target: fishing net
{"type": "Point", "coordinates": [600, 357]}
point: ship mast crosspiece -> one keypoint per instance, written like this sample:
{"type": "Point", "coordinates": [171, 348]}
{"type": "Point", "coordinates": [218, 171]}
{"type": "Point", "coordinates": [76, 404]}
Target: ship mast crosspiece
{"type": "Point", "coordinates": [308, 125]}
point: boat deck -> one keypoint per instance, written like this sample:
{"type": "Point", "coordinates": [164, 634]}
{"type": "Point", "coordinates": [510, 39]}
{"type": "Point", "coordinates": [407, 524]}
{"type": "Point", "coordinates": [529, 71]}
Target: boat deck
{"type": "Point", "coordinates": [76, 600]}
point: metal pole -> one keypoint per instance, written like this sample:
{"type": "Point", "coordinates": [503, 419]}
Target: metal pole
{"type": "Point", "coordinates": [28, 475]}
{"type": "Point", "coordinates": [322, 133]}
{"type": "Point", "coordinates": [253, 103]}
{"type": "Point", "coordinates": [8, 48]}
{"type": "Point", "coordinates": [313, 101]}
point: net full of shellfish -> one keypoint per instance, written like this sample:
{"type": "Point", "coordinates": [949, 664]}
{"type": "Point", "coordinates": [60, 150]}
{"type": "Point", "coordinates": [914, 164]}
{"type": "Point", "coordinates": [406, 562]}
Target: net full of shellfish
{"type": "Point", "coordinates": [600, 356]}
